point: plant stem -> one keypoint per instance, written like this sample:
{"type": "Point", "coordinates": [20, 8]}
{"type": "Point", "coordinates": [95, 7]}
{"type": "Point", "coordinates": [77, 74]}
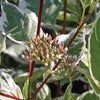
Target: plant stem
{"type": "Point", "coordinates": [10, 96]}
{"type": "Point", "coordinates": [86, 26]}
{"type": "Point", "coordinates": [82, 17]}
{"type": "Point", "coordinates": [0, 8]}
{"type": "Point", "coordinates": [30, 79]}
{"type": "Point", "coordinates": [40, 17]}
{"type": "Point", "coordinates": [64, 20]}
{"type": "Point", "coordinates": [29, 85]}
{"type": "Point", "coordinates": [0, 58]}
{"type": "Point", "coordinates": [58, 89]}
{"type": "Point", "coordinates": [31, 67]}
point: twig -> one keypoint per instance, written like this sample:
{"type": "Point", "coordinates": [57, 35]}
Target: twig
{"type": "Point", "coordinates": [40, 17]}
{"type": "Point", "coordinates": [64, 20]}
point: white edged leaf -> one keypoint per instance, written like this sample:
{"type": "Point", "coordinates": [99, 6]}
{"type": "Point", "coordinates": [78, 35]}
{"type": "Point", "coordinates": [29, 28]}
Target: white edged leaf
{"type": "Point", "coordinates": [25, 90]}
{"type": "Point", "coordinates": [26, 23]}
{"type": "Point", "coordinates": [89, 95]}
{"type": "Point", "coordinates": [2, 42]}
{"type": "Point", "coordinates": [44, 93]}
{"type": "Point", "coordinates": [68, 94]}
{"type": "Point", "coordinates": [50, 10]}
{"type": "Point", "coordinates": [7, 85]}
{"type": "Point", "coordinates": [78, 45]}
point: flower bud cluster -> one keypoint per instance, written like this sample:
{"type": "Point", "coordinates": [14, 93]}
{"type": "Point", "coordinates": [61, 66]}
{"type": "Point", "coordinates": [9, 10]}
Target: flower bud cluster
{"type": "Point", "coordinates": [68, 67]}
{"type": "Point", "coordinates": [45, 50]}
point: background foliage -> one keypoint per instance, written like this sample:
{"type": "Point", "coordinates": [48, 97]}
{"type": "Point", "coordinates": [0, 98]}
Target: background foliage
{"type": "Point", "coordinates": [18, 22]}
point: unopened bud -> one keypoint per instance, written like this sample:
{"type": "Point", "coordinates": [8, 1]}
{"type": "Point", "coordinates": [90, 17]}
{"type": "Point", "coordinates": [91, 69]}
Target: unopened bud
{"type": "Point", "coordinates": [25, 52]}
{"type": "Point", "coordinates": [69, 74]}
{"type": "Point", "coordinates": [27, 42]}
{"type": "Point", "coordinates": [42, 60]}
{"type": "Point", "coordinates": [49, 60]}
{"type": "Point", "coordinates": [73, 76]}
{"type": "Point", "coordinates": [46, 64]}
{"type": "Point", "coordinates": [27, 57]}
{"type": "Point", "coordinates": [23, 56]}
{"type": "Point", "coordinates": [37, 85]}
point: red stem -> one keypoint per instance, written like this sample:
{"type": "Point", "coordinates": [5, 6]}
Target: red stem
{"type": "Point", "coordinates": [34, 95]}
{"type": "Point", "coordinates": [32, 68]}
{"type": "Point", "coordinates": [0, 8]}
{"type": "Point", "coordinates": [64, 20]}
{"type": "Point", "coordinates": [10, 96]}
{"type": "Point", "coordinates": [40, 17]}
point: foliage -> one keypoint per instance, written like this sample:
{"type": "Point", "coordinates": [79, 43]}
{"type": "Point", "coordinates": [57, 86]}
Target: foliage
{"type": "Point", "coordinates": [62, 57]}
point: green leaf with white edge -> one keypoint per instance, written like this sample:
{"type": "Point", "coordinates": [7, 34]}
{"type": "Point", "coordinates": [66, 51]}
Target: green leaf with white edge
{"type": "Point", "coordinates": [52, 78]}
{"type": "Point", "coordinates": [94, 48]}
{"type": "Point", "coordinates": [44, 93]}
{"type": "Point", "coordinates": [93, 84]}
{"type": "Point", "coordinates": [84, 66]}
{"type": "Point", "coordinates": [4, 88]}
{"type": "Point", "coordinates": [21, 78]}
{"type": "Point", "coordinates": [50, 10]}
{"type": "Point", "coordinates": [76, 95]}
{"type": "Point", "coordinates": [7, 85]}
{"type": "Point", "coordinates": [38, 73]}
{"type": "Point", "coordinates": [89, 95]}
{"type": "Point", "coordinates": [3, 45]}
{"type": "Point", "coordinates": [78, 45]}
{"type": "Point", "coordinates": [93, 53]}
{"type": "Point", "coordinates": [68, 94]}
{"type": "Point", "coordinates": [69, 17]}
{"type": "Point", "coordinates": [14, 1]}
{"type": "Point", "coordinates": [84, 69]}
{"type": "Point", "coordinates": [16, 51]}
{"type": "Point", "coordinates": [25, 90]}
{"type": "Point", "coordinates": [26, 22]}
{"type": "Point", "coordinates": [73, 6]}
{"type": "Point", "coordinates": [85, 3]}
{"type": "Point", "coordinates": [2, 42]}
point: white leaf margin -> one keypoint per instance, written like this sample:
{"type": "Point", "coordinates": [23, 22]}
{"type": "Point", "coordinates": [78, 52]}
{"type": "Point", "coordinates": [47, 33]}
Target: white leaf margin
{"type": "Point", "coordinates": [8, 86]}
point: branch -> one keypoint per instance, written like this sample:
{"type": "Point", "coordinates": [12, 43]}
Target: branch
{"type": "Point", "coordinates": [40, 17]}
{"type": "Point", "coordinates": [64, 20]}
